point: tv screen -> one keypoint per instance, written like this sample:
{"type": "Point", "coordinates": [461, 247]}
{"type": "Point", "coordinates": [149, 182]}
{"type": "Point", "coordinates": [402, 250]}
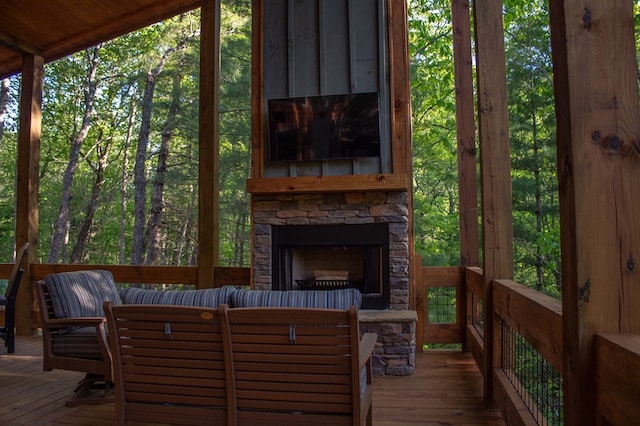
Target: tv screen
{"type": "Point", "coordinates": [324, 127]}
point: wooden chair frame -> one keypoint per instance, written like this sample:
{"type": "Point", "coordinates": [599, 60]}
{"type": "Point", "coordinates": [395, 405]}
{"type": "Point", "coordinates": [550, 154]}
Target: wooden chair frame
{"type": "Point", "coordinates": [170, 365]}
{"type": "Point", "coordinates": [97, 370]}
{"type": "Point", "coordinates": [8, 331]}
{"type": "Point", "coordinates": [300, 366]}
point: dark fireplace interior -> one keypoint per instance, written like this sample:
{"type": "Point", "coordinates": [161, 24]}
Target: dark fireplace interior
{"type": "Point", "coordinates": [306, 257]}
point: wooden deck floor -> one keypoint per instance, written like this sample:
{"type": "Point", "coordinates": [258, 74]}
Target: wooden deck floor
{"type": "Point", "coordinates": [446, 390]}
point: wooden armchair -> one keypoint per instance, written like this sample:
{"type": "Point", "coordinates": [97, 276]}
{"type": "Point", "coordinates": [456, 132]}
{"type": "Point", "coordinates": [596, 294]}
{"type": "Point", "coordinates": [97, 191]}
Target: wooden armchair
{"type": "Point", "coordinates": [8, 330]}
{"type": "Point", "coordinates": [169, 365]}
{"type": "Point", "coordinates": [300, 366]}
{"type": "Point", "coordinates": [74, 329]}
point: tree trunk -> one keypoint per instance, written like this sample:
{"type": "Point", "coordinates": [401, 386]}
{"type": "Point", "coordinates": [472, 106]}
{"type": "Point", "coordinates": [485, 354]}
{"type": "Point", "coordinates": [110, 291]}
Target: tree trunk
{"type": "Point", "coordinates": [139, 176]}
{"type": "Point", "coordinates": [87, 223]}
{"type": "Point", "coordinates": [4, 101]}
{"type": "Point", "coordinates": [155, 237]}
{"type": "Point", "coordinates": [61, 230]}
{"type": "Point", "coordinates": [125, 179]}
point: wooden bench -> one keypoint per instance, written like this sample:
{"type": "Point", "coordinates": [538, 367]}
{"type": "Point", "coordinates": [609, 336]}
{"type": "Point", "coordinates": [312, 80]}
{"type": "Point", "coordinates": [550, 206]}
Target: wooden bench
{"type": "Point", "coordinates": [169, 365]}
{"type": "Point", "coordinates": [243, 366]}
{"type": "Point", "coordinates": [300, 366]}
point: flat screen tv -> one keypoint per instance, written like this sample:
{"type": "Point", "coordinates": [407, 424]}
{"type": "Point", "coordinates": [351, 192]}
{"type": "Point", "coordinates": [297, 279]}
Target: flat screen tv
{"type": "Point", "coordinates": [324, 127]}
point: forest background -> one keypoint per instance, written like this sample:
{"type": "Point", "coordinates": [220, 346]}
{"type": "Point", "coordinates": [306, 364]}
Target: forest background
{"type": "Point", "coordinates": [119, 158]}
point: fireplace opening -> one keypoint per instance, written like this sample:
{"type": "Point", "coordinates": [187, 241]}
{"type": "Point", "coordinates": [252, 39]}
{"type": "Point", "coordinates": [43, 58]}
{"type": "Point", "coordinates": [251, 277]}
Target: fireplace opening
{"type": "Point", "coordinates": [306, 257]}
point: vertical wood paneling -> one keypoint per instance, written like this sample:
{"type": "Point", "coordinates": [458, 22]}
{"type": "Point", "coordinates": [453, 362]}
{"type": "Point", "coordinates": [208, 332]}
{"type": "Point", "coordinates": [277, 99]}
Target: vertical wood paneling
{"type": "Point", "coordinates": [384, 89]}
{"type": "Point", "coordinates": [335, 74]}
{"type": "Point", "coordinates": [303, 41]}
{"type": "Point", "coordinates": [320, 47]}
{"type": "Point", "coordinates": [364, 39]}
{"type": "Point", "coordinates": [276, 48]}
{"type": "Point", "coordinates": [596, 86]}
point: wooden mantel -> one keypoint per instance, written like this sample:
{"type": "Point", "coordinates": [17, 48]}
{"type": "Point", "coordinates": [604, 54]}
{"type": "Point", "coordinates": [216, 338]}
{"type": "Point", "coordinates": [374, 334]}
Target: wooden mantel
{"type": "Point", "coordinates": [308, 184]}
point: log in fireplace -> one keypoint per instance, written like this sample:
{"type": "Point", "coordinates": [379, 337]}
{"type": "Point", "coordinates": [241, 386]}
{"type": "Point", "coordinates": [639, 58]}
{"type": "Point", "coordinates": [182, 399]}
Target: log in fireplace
{"type": "Point", "coordinates": [333, 256]}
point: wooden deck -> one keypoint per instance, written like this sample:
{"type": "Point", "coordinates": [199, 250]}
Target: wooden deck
{"type": "Point", "coordinates": [446, 390]}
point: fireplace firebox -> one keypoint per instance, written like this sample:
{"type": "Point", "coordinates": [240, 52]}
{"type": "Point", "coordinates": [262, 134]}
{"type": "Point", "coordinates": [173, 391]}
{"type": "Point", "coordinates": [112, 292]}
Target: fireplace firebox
{"type": "Point", "coordinates": [331, 257]}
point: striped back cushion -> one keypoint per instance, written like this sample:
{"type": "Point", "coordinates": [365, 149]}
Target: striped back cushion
{"type": "Point", "coordinates": [209, 297]}
{"type": "Point", "coordinates": [81, 293]}
{"type": "Point", "coordinates": [325, 299]}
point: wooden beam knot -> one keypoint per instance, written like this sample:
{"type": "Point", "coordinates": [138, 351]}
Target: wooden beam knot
{"type": "Point", "coordinates": [584, 292]}
{"type": "Point", "coordinates": [614, 143]}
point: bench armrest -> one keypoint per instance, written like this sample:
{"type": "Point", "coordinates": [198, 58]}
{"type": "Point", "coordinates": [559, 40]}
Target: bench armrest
{"type": "Point", "coordinates": [367, 343]}
{"type": "Point", "coordinates": [74, 322]}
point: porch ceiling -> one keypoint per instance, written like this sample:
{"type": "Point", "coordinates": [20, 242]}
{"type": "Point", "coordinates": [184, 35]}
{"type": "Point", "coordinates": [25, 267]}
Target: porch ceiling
{"type": "Point", "coordinates": [56, 28]}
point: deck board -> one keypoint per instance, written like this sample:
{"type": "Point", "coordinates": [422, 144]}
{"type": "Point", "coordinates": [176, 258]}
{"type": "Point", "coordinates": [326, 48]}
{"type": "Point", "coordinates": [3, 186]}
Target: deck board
{"type": "Point", "coordinates": [445, 390]}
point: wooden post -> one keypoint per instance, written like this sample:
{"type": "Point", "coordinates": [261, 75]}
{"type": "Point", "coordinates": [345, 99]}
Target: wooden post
{"type": "Point", "coordinates": [208, 181]}
{"type": "Point", "coordinates": [400, 89]}
{"type": "Point", "coordinates": [495, 169]}
{"type": "Point", "coordinates": [598, 139]}
{"type": "Point", "coordinates": [465, 133]}
{"type": "Point", "coordinates": [27, 180]}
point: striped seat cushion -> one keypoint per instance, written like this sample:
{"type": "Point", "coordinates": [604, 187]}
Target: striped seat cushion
{"type": "Point", "coordinates": [324, 299]}
{"type": "Point", "coordinates": [209, 297]}
{"type": "Point", "coordinates": [81, 293]}
{"type": "Point", "coordinates": [77, 342]}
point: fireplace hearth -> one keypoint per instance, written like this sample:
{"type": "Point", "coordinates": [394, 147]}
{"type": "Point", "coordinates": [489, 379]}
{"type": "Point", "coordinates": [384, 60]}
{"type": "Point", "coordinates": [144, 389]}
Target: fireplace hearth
{"type": "Point", "coordinates": [333, 256]}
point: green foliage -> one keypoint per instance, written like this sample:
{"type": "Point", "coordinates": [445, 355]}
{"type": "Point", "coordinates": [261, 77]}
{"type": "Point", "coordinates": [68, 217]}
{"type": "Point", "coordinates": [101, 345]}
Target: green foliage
{"type": "Point", "coordinates": [434, 133]}
{"type": "Point", "coordinates": [532, 133]}
{"type": "Point", "coordinates": [123, 68]}
{"type": "Point", "coordinates": [533, 146]}
{"type": "Point", "coordinates": [120, 77]}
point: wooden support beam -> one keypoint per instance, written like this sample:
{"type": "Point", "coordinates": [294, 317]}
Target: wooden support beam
{"type": "Point", "coordinates": [27, 180]}
{"type": "Point", "coordinates": [209, 166]}
{"type": "Point", "coordinates": [466, 134]}
{"type": "Point", "coordinates": [466, 141]}
{"type": "Point", "coordinates": [495, 169]}
{"type": "Point", "coordinates": [598, 134]}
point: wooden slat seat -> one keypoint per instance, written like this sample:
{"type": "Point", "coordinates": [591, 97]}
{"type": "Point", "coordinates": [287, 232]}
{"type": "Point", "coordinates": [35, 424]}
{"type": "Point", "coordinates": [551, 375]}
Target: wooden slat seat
{"type": "Point", "coordinates": [300, 366]}
{"type": "Point", "coordinates": [169, 365]}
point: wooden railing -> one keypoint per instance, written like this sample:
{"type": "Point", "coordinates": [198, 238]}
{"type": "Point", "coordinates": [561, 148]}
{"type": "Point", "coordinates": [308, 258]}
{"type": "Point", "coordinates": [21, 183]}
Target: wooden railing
{"type": "Point", "coordinates": [617, 359]}
{"type": "Point", "coordinates": [535, 319]}
{"type": "Point", "coordinates": [533, 316]}
{"type": "Point", "coordinates": [141, 274]}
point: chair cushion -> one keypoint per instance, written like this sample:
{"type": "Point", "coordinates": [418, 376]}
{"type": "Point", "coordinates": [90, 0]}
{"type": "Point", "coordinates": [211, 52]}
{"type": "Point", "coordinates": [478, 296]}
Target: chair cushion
{"type": "Point", "coordinates": [324, 299]}
{"type": "Point", "coordinates": [81, 293]}
{"type": "Point", "coordinates": [208, 297]}
{"type": "Point", "coordinates": [77, 342]}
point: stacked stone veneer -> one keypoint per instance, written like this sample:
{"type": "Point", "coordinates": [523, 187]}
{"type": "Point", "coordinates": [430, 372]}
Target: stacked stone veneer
{"type": "Point", "coordinates": [395, 353]}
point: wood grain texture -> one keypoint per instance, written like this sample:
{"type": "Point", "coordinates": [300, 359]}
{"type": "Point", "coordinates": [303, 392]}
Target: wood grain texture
{"type": "Point", "coordinates": [596, 92]}
{"type": "Point", "coordinates": [445, 389]}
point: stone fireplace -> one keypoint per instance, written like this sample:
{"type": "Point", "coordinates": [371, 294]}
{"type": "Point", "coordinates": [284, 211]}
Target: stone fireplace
{"type": "Point", "coordinates": [333, 256]}
{"type": "Point", "coordinates": [360, 237]}
{"type": "Point", "coordinates": [364, 233]}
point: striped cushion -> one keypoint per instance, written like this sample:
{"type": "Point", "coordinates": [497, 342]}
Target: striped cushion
{"type": "Point", "coordinates": [81, 293]}
{"type": "Point", "coordinates": [209, 297]}
{"type": "Point", "coordinates": [325, 299]}
{"type": "Point", "coordinates": [78, 342]}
